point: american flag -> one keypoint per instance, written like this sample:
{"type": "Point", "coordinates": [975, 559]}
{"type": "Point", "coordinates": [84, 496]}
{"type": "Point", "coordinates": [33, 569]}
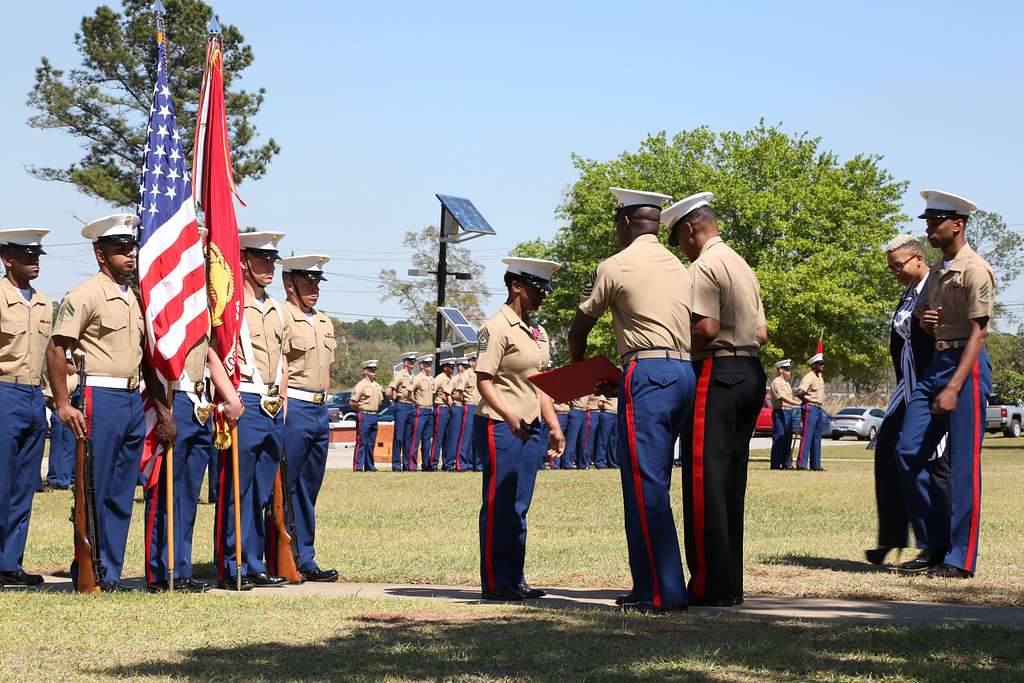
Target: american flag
{"type": "Point", "coordinates": [172, 272]}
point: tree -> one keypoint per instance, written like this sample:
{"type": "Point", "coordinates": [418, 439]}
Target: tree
{"type": "Point", "coordinates": [808, 223]}
{"type": "Point", "coordinates": [367, 339]}
{"type": "Point", "coordinates": [419, 296]}
{"type": "Point", "coordinates": [1006, 353]}
{"type": "Point", "coordinates": [988, 234]}
{"type": "Point", "coordinates": [105, 102]}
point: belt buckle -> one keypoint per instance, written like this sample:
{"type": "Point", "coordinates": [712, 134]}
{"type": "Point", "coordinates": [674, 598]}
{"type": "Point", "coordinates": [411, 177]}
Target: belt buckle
{"type": "Point", "coordinates": [199, 388]}
{"type": "Point", "coordinates": [133, 383]}
{"type": "Point", "coordinates": [271, 404]}
{"type": "Point", "coordinates": [942, 345]}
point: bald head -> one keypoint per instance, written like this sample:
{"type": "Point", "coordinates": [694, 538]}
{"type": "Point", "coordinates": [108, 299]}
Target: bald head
{"type": "Point", "coordinates": [633, 221]}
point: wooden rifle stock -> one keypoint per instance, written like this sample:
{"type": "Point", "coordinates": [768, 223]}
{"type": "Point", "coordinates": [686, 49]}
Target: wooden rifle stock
{"type": "Point", "coordinates": [282, 545]}
{"type": "Point", "coordinates": [83, 516]}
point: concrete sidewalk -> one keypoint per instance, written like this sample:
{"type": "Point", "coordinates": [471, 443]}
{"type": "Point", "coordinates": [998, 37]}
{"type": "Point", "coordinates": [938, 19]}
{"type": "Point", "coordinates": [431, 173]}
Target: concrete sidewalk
{"type": "Point", "coordinates": [774, 608]}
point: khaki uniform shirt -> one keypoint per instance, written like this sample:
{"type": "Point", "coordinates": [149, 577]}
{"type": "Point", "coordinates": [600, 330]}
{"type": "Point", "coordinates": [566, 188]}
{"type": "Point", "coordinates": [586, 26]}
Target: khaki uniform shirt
{"type": "Point", "coordinates": [965, 291]}
{"type": "Point", "coordinates": [561, 407]}
{"type": "Point", "coordinates": [422, 390]}
{"type": "Point", "coordinates": [195, 360]}
{"type": "Point", "coordinates": [24, 332]}
{"type": "Point", "coordinates": [268, 335]}
{"type": "Point", "coordinates": [780, 388]}
{"type": "Point", "coordinates": [470, 394]}
{"type": "Point", "coordinates": [726, 289]}
{"type": "Point", "coordinates": [310, 349]}
{"type": "Point", "coordinates": [107, 325]}
{"type": "Point", "coordinates": [368, 395]}
{"type": "Point", "coordinates": [72, 384]}
{"type": "Point", "coordinates": [510, 351]}
{"type": "Point", "coordinates": [609, 404]}
{"type": "Point", "coordinates": [594, 403]}
{"type": "Point", "coordinates": [814, 388]}
{"type": "Point", "coordinates": [648, 290]}
{"type": "Point", "coordinates": [401, 384]}
{"type": "Point", "coordinates": [443, 388]}
{"type": "Point", "coordinates": [578, 403]}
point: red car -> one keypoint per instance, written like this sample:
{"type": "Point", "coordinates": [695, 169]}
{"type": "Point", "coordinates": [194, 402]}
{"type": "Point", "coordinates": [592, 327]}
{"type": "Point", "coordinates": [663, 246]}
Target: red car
{"type": "Point", "coordinates": [763, 427]}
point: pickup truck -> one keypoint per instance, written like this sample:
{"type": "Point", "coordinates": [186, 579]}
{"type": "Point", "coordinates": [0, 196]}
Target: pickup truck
{"type": "Point", "coordinates": [1003, 418]}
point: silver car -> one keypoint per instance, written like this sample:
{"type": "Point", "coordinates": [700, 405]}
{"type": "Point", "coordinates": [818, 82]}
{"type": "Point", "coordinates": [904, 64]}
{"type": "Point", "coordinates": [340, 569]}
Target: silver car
{"type": "Point", "coordinates": [862, 423]}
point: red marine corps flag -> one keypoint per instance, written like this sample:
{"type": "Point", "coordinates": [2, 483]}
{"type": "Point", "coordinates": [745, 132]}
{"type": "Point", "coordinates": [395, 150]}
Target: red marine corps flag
{"type": "Point", "coordinates": [215, 191]}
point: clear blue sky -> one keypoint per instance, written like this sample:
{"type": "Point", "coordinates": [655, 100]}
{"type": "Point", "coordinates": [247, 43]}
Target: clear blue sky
{"type": "Point", "coordinates": [377, 106]}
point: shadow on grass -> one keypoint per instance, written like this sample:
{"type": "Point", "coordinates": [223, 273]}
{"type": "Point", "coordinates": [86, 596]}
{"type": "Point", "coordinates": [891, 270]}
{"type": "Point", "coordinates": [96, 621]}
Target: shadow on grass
{"type": "Point", "coordinates": [835, 564]}
{"type": "Point", "coordinates": [591, 645]}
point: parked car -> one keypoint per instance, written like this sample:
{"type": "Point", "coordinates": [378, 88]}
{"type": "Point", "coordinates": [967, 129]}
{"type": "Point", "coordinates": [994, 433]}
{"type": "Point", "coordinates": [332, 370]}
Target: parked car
{"type": "Point", "coordinates": [337, 406]}
{"type": "Point", "coordinates": [1003, 418]}
{"type": "Point", "coordinates": [860, 422]}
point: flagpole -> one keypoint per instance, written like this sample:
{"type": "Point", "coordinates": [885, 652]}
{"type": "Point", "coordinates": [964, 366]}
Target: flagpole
{"type": "Point", "coordinates": [169, 494]}
{"type": "Point", "coordinates": [238, 507]}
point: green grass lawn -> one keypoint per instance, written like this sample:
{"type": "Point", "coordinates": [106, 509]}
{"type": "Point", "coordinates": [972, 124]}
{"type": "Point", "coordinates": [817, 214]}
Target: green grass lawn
{"type": "Point", "coordinates": [805, 537]}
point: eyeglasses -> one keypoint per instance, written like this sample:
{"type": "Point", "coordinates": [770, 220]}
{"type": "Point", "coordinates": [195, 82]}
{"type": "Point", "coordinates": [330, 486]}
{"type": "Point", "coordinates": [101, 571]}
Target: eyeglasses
{"type": "Point", "coordinates": [898, 268]}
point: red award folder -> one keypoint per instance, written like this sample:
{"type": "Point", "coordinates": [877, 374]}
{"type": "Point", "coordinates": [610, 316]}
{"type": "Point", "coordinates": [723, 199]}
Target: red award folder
{"type": "Point", "coordinates": [578, 379]}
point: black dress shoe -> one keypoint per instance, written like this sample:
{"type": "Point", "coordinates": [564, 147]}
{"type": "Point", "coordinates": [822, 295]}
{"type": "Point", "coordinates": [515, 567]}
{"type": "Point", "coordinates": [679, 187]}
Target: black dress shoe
{"type": "Point", "coordinates": [531, 593]}
{"type": "Point", "coordinates": [948, 571]}
{"type": "Point", "coordinates": [20, 578]}
{"type": "Point", "coordinates": [510, 593]}
{"type": "Point", "coordinates": [118, 587]}
{"type": "Point", "coordinates": [191, 585]}
{"type": "Point", "coordinates": [649, 608]}
{"type": "Point", "coordinates": [819, 469]}
{"type": "Point", "coordinates": [265, 580]}
{"type": "Point", "coordinates": [918, 565]}
{"type": "Point", "coordinates": [232, 585]}
{"type": "Point", "coordinates": [877, 555]}
{"type": "Point", "coordinates": [620, 600]}
{"type": "Point", "coordinates": [321, 575]}
{"type": "Point", "coordinates": [712, 602]}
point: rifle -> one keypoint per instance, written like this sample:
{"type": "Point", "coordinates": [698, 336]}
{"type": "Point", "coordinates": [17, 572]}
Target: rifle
{"type": "Point", "coordinates": [282, 544]}
{"type": "Point", "coordinates": [83, 508]}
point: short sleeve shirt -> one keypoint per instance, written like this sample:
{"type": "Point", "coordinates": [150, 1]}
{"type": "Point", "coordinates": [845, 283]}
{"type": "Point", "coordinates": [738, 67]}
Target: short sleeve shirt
{"type": "Point", "coordinates": [726, 289]}
{"type": "Point", "coordinates": [561, 407]}
{"type": "Point", "coordinates": [510, 351]}
{"type": "Point", "coordinates": [965, 290]}
{"type": "Point", "coordinates": [422, 390]}
{"type": "Point", "coordinates": [779, 389]}
{"type": "Point", "coordinates": [368, 395]}
{"type": "Point", "coordinates": [195, 360]}
{"type": "Point", "coordinates": [813, 386]}
{"type": "Point", "coordinates": [442, 389]}
{"type": "Point", "coordinates": [106, 324]}
{"type": "Point", "coordinates": [24, 332]}
{"type": "Point", "coordinates": [310, 348]}
{"type": "Point", "coordinates": [470, 394]}
{"type": "Point", "coordinates": [609, 404]}
{"type": "Point", "coordinates": [648, 292]}
{"type": "Point", "coordinates": [268, 335]}
{"type": "Point", "coordinates": [594, 402]}
{"type": "Point", "coordinates": [401, 384]}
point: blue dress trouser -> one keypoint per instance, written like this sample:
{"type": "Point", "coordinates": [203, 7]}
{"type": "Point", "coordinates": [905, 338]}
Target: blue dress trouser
{"type": "Point", "coordinates": [400, 440]}
{"type": "Point", "coordinates": [510, 473]}
{"type": "Point", "coordinates": [471, 460]}
{"type": "Point", "coordinates": [422, 437]}
{"type": "Point", "coordinates": [60, 471]}
{"type": "Point", "coordinates": [655, 401]}
{"type": "Point", "coordinates": [438, 449]}
{"type": "Point", "coordinates": [117, 428]}
{"type": "Point", "coordinates": [22, 438]}
{"type": "Point", "coordinates": [366, 442]}
{"type": "Point", "coordinates": [260, 443]}
{"type": "Point", "coordinates": [922, 431]}
{"type": "Point", "coordinates": [585, 455]}
{"type": "Point", "coordinates": [573, 437]}
{"type": "Point", "coordinates": [306, 442]}
{"type": "Point", "coordinates": [810, 441]}
{"type": "Point", "coordinates": [452, 450]}
{"type": "Point", "coordinates": [782, 438]}
{"type": "Point", "coordinates": [193, 449]}
{"type": "Point", "coordinates": [563, 422]}
{"type": "Point", "coordinates": [603, 444]}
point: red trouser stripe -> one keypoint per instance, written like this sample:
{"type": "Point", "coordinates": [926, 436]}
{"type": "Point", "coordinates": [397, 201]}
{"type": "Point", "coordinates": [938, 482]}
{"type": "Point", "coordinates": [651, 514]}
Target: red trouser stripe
{"type": "Point", "coordinates": [700, 408]}
{"type": "Point", "coordinates": [638, 489]}
{"type": "Point", "coordinates": [150, 524]}
{"type": "Point", "coordinates": [359, 431]}
{"type": "Point", "coordinates": [803, 435]}
{"type": "Point", "coordinates": [491, 493]}
{"type": "Point", "coordinates": [462, 432]}
{"type": "Point", "coordinates": [972, 542]}
{"type": "Point", "coordinates": [413, 447]}
{"type": "Point", "coordinates": [219, 551]}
